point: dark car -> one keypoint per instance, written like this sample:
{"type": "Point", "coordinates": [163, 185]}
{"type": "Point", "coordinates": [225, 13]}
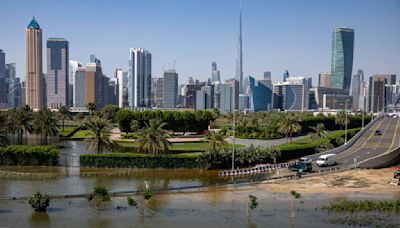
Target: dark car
{"type": "Point", "coordinates": [378, 132]}
{"type": "Point", "coordinates": [301, 167]}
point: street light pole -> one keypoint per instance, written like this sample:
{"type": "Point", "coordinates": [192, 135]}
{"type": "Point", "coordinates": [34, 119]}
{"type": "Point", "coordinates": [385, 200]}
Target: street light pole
{"type": "Point", "coordinates": [345, 132]}
{"type": "Point", "coordinates": [233, 146]}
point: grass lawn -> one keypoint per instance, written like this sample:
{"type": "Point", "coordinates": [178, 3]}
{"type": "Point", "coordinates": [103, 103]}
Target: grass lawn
{"type": "Point", "coordinates": [82, 134]}
{"type": "Point", "coordinates": [187, 146]}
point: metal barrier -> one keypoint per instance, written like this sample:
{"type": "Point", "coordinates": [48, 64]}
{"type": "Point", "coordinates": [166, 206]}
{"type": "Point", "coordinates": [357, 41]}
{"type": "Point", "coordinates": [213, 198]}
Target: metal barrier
{"type": "Point", "coordinates": [255, 170]}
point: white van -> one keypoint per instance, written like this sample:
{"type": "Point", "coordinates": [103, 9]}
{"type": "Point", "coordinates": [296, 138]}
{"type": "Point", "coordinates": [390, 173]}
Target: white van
{"type": "Point", "coordinates": [326, 160]}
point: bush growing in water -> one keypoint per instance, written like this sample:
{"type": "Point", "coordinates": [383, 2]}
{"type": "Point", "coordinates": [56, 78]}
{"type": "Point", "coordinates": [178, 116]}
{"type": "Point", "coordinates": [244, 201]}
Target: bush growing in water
{"type": "Point", "coordinates": [39, 201]}
{"type": "Point", "coordinates": [363, 206]}
{"type": "Point", "coordinates": [99, 193]}
{"type": "Point", "coordinates": [131, 201]}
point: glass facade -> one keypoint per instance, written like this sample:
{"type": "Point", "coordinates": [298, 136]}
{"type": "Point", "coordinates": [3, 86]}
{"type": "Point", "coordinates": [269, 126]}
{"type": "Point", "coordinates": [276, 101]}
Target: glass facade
{"type": "Point", "coordinates": [261, 96]}
{"type": "Point", "coordinates": [342, 58]}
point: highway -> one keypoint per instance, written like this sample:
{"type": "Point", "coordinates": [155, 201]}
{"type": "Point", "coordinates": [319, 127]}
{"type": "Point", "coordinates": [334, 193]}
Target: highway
{"type": "Point", "coordinates": [370, 145]}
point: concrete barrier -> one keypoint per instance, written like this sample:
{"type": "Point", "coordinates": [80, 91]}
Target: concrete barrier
{"type": "Point", "coordinates": [383, 160]}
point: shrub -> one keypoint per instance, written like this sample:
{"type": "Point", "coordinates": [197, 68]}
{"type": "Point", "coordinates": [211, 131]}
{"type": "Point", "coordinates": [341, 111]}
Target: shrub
{"type": "Point", "coordinates": [99, 193]}
{"type": "Point", "coordinates": [133, 160]}
{"type": "Point", "coordinates": [147, 194]}
{"type": "Point", "coordinates": [131, 201]}
{"type": "Point", "coordinates": [39, 201]}
{"type": "Point", "coordinates": [28, 155]}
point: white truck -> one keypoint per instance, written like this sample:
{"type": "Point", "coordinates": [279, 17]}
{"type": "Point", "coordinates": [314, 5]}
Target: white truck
{"type": "Point", "coordinates": [327, 160]}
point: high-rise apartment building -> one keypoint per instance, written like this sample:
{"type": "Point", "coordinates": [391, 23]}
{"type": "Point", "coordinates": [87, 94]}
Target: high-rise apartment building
{"type": "Point", "coordinates": [377, 93]}
{"type": "Point", "coordinates": [215, 75]}
{"type": "Point", "coordinates": [3, 97]}
{"type": "Point", "coordinates": [170, 89]}
{"type": "Point", "coordinates": [205, 98]}
{"type": "Point", "coordinates": [122, 77]}
{"type": "Point", "coordinates": [158, 96]}
{"type": "Point", "coordinates": [34, 71]}
{"type": "Point", "coordinates": [73, 66]}
{"type": "Point", "coordinates": [243, 102]}
{"type": "Point", "coordinates": [228, 94]}
{"type": "Point", "coordinates": [356, 89]}
{"type": "Point", "coordinates": [239, 60]}
{"type": "Point", "coordinates": [139, 78]}
{"type": "Point", "coordinates": [57, 73]}
{"type": "Point", "coordinates": [324, 80]}
{"type": "Point", "coordinates": [80, 88]}
{"type": "Point", "coordinates": [342, 58]}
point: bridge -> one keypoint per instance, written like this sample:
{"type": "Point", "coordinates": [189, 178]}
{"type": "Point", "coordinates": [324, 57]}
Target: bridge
{"type": "Point", "coordinates": [366, 149]}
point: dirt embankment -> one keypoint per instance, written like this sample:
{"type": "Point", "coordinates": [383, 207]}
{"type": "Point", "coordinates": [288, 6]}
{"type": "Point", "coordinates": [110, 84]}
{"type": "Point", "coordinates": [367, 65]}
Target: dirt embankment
{"type": "Point", "coordinates": [352, 181]}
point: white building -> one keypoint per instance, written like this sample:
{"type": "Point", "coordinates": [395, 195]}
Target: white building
{"type": "Point", "coordinates": [73, 66]}
{"type": "Point", "coordinates": [139, 78]}
{"type": "Point", "coordinates": [122, 85]}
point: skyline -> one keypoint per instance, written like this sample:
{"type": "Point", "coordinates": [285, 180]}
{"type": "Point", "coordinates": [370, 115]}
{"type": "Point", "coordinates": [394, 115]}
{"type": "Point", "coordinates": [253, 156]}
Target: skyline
{"type": "Point", "coordinates": [278, 46]}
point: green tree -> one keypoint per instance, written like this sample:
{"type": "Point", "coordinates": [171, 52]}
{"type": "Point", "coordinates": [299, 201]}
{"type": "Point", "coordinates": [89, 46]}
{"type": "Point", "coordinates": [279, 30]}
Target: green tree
{"type": "Point", "coordinates": [109, 112]}
{"type": "Point", "coordinates": [124, 118]}
{"type": "Point", "coordinates": [135, 125]}
{"type": "Point", "coordinates": [64, 113]}
{"type": "Point", "coordinates": [99, 134]}
{"type": "Point", "coordinates": [91, 107]}
{"type": "Point", "coordinates": [216, 141]}
{"type": "Point", "coordinates": [22, 121]}
{"type": "Point", "coordinates": [153, 138]}
{"type": "Point", "coordinates": [319, 131]}
{"type": "Point", "coordinates": [289, 124]}
{"type": "Point", "coordinates": [46, 124]}
{"type": "Point", "coordinates": [273, 153]}
{"type": "Point", "coordinates": [340, 118]}
{"type": "Point", "coordinates": [39, 201]}
{"type": "Point", "coordinates": [3, 134]}
{"type": "Point", "coordinates": [100, 194]}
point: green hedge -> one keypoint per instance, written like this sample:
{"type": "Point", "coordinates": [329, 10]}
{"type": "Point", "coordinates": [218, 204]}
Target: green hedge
{"type": "Point", "coordinates": [132, 160]}
{"type": "Point", "coordinates": [28, 155]}
{"type": "Point", "coordinates": [296, 150]}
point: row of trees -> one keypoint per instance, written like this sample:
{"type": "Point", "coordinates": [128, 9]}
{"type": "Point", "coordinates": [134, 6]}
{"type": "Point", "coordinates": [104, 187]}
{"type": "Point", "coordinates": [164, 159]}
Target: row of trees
{"type": "Point", "coordinates": [176, 121]}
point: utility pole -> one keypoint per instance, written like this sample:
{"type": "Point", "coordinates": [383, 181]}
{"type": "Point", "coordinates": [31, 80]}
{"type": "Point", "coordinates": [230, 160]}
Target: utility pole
{"type": "Point", "coordinates": [345, 132]}
{"type": "Point", "coordinates": [233, 146]}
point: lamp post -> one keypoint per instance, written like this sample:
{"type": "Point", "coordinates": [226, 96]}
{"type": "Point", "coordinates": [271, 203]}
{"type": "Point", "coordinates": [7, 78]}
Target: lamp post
{"type": "Point", "coordinates": [345, 131]}
{"type": "Point", "coordinates": [233, 144]}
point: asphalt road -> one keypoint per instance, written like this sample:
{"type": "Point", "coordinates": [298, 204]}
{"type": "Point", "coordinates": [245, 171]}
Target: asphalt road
{"type": "Point", "coordinates": [370, 145]}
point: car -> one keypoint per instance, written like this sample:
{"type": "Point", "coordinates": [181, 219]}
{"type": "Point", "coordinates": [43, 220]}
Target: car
{"type": "Point", "coordinates": [301, 167]}
{"type": "Point", "coordinates": [326, 160]}
{"type": "Point", "coordinates": [304, 159]}
{"type": "Point", "coordinates": [378, 132]}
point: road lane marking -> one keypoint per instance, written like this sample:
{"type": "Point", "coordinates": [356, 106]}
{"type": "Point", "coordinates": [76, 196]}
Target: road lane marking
{"type": "Point", "coordinates": [394, 136]}
{"type": "Point", "coordinates": [365, 142]}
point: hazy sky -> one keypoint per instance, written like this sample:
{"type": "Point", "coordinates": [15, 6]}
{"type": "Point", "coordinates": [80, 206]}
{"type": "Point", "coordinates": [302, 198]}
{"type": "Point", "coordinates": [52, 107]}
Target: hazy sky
{"type": "Point", "coordinates": [277, 35]}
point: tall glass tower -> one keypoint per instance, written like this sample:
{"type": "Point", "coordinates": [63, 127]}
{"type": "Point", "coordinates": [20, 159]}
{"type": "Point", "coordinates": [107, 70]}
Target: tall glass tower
{"type": "Point", "coordinates": [342, 58]}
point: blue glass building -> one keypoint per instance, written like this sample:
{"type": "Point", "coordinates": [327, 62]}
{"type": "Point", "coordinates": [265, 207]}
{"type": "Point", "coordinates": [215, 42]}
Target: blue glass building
{"type": "Point", "coordinates": [342, 58]}
{"type": "Point", "coordinates": [261, 96]}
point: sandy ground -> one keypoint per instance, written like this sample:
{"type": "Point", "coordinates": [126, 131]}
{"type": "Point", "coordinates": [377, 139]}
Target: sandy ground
{"type": "Point", "coordinates": [352, 181]}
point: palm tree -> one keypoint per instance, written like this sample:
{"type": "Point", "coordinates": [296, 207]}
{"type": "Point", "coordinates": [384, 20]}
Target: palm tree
{"type": "Point", "coordinates": [64, 114]}
{"type": "Point", "coordinates": [22, 120]}
{"type": "Point", "coordinates": [216, 141]}
{"type": "Point", "coordinates": [340, 118]}
{"type": "Point", "coordinates": [289, 124]}
{"type": "Point", "coordinates": [91, 106]}
{"type": "Point", "coordinates": [295, 195]}
{"type": "Point", "coordinates": [46, 124]}
{"type": "Point", "coordinates": [135, 125]}
{"type": "Point", "coordinates": [99, 134]}
{"type": "Point", "coordinates": [273, 153]}
{"type": "Point", "coordinates": [319, 131]}
{"type": "Point", "coordinates": [153, 138]}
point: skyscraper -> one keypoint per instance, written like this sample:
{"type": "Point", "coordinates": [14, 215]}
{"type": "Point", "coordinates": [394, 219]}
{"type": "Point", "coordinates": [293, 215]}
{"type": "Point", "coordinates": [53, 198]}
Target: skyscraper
{"type": "Point", "coordinates": [170, 89]}
{"type": "Point", "coordinates": [342, 58]}
{"type": "Point", "coordinates": [34, 70]}
{"type": "Point", "coordinates": [377, 93]}
{"type": "Point", "coordinates": [239, 61]}
{"type": "Point", "coordinates": [215, 76]}
{"type": "Point", "coordinates": [57, 73]}
{"type": "Point", "coordinates": [80, 88]}
{"type": "Point", "coordinates": [122, 77]}
{"type": "Point", "coordinates": [285, 75]}
{"type": "Point", "coordinates": [73, 67]}
{"type": "Point", "coordinates": [139, 78]}
{"type": "Point", "coordinates": [3, 98]}
{"type": "Point", "coordinates": [261, 95]}
{"type": "Point", "coordinates": [356, 89]}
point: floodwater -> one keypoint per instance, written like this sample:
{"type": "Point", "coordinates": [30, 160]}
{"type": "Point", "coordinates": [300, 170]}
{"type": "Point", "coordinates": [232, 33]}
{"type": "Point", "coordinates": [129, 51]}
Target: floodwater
{"type": "Point", "coordinates": [203, 209]}
{"type": "Point", "coordinates": [216, 207]}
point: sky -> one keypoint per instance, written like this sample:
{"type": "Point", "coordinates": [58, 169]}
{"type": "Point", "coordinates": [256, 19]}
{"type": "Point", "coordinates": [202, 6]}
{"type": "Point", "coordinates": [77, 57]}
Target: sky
{"type": "Point", "coordinates": [277, 35]}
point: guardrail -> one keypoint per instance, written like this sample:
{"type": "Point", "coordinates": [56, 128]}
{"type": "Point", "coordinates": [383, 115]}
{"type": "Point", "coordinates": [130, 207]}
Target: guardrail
{"type": "Point", "coordinates": [255, 170]}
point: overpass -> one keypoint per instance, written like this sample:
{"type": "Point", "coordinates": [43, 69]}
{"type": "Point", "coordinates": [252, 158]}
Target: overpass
{"type": "Point", "coordinates": [366, 146]}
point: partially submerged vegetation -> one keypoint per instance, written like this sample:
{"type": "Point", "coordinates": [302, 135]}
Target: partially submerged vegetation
{"type": "Point", "coordinates": [353, 206]}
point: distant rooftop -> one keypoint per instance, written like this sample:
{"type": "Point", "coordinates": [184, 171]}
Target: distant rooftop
{"type": "Point", "coordinates": [56, 39]}
{"type": "Point", "coordinates": [33, 24]}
